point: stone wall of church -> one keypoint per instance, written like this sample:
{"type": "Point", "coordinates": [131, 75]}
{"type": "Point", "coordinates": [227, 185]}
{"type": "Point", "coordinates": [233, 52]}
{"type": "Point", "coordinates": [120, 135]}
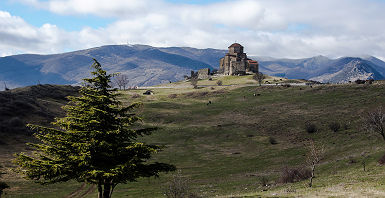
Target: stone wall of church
{"type": "Point", "coordinates": [238, 67]}
{"type": "Point", "coordinates": [236, 62]}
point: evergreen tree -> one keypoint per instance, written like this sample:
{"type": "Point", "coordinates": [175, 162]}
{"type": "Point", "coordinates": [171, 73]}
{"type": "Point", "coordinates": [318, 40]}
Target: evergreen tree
{"type": "Point", "coordinates": [95, 143]}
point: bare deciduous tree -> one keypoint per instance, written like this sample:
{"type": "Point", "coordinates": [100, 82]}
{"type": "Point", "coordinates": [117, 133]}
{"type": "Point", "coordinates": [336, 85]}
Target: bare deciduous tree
{"type": "Point", "coordinates": [374, 121]}
{"type": "Point", "coordinates": [315, 155]}
{"type": "Point", "coordinates": [178, 186]}
{"type": "Point", "coordinates": [5, 86]}
{"type": "Point", "coordinates": [219, 83]}
{"type": "Point", "coordinates": [121, 80]}
{"type": "Point", "coordinates": [365, 156]}
{"type": "Point", "coordinates": [259, 77]}
{"type": "Point", "coordinates": [194, 81]}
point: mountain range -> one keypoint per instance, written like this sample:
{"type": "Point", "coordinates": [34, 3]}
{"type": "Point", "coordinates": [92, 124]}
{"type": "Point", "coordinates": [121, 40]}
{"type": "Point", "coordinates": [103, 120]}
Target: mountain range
{"type": "Point", "coordinates": [324, 69]}
{"type": "Point", "coordinates": [146, 65]}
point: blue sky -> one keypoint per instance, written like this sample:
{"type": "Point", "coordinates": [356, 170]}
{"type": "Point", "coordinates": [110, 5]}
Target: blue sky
{"type": "Point", "coordinates": [278, 28]}
{"type": "Point", "coordinates": [39, 17]}
{"type": "Point", "coordinates": [194, 1]}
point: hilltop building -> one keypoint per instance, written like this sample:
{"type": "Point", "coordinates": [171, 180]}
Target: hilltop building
{"type": "Point", "coordinates": [236, 62]}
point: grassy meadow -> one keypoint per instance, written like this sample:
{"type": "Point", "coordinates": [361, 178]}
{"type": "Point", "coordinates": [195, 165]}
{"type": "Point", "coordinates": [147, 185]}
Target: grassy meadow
{"type": "Point", "coordinates": [220, 137]}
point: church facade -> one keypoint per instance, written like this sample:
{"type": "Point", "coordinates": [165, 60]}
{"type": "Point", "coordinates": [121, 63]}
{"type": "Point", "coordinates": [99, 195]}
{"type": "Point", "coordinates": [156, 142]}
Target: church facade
{"type": "Point", "coordinates": [236, 62]}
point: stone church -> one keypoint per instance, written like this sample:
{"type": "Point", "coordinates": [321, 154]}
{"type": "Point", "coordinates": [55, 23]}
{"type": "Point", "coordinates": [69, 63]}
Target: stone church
{"type": "Point", "coordinates": [236, 62]}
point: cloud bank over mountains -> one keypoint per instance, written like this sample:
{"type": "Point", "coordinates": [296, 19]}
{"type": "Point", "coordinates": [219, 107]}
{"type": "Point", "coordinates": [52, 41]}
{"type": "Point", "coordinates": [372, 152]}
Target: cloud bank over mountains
{"type": "Point", "coordinates": [277, 28]}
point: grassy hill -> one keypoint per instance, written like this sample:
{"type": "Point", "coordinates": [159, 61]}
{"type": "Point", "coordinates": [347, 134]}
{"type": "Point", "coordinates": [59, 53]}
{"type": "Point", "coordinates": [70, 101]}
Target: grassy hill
{"type": "Point", "coordinates": [33, 104]}
{"type": "Point", "coordinates": [37, 104]}
{"type": "Point", "coordinates": [224, 148]}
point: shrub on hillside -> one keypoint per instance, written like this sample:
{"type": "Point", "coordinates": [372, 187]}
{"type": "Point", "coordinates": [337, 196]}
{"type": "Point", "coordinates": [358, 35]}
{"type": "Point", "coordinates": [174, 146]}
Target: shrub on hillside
{"type": "Point", "coordinates": [272, 140]}
{"type": "Point", "coordinates": [135, 95]}
{"type": "Point", "coordinates": [346, 125]}
{"type": "Point", "coordinates": [15, 122]}
{"type": "Point", "coordinates": [360, 81]}
{"type": "Point", "coordinates": [310, 127]}
{"type": "Point", "coordinates": [352, 160]}
{"type": "Point", "coordinates": [172, 96]}
{"type": "Point", "coordinates": [291, 175]}
{"type": "Point", "coordinates": [264, 181]}
{"type": "Point", "coordinates": [13, 125]}
{"type": "Point", "coordinates": [3, 185]}
{"type": "Point", "coordinates": [334, 126]}
{"type": "Point", "coordinates": [286, 85]}
{"type": "Point", "coordinates": [219, 83]}
{"type": "Point", "coordinates": [179, 187]}
{"type": "Point", "coordinates": [381, 161]}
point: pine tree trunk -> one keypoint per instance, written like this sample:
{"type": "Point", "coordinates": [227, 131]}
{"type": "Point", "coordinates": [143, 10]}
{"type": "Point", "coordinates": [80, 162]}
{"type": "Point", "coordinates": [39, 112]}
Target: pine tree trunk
{"type": "Point", "coordinates": [311, 181]}
{"type": "Point", "coordinates": [107, 190]}
{"type": "Point", "coordinates": [100, 191]}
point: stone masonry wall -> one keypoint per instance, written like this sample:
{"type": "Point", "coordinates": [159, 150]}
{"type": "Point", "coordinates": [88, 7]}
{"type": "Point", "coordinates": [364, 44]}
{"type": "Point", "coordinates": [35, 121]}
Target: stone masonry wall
{"type": "Point", "coordinates": [204, 73]}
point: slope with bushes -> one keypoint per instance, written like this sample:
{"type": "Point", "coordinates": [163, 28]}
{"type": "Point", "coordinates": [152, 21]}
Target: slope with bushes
{"type": "Point", "coordinates": [239, 141]}
{"type": "Point", "coordinates": [39, 103]}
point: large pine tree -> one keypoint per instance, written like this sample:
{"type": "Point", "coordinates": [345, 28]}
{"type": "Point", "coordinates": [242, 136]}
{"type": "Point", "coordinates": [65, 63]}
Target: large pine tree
{"type": "Point", "coordinates": [96, 142]}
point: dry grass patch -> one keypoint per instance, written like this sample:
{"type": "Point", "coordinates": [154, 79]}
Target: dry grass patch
{"type": "Point", "coordinates": [200, 94]}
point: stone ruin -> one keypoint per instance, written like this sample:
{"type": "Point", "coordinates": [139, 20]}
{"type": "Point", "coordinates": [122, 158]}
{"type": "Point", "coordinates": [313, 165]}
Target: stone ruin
{"type": "Point", "coordinates": [204, 73]}
{"type": "Point", "coordinates": [201, 74]}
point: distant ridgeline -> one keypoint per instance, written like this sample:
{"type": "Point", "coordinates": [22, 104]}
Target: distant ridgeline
{"type": "Point", "coordinates": [146, 65]}
{"type": "Point", "coordinates": [235, 62]}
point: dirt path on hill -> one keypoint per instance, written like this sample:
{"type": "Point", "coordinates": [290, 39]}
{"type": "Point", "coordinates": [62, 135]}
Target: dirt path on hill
{"type": "Point", "coordinates": [76, 192]}
{"type": "Point", "coordinates": [201, 86]}
{"type": "Point", "coordinates": [91, 189]}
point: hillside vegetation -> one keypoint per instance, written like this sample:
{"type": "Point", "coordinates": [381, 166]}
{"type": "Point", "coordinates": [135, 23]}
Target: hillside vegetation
{"type": "Point", "coordinates": [39, 103]}
{"type": "Point", "coordinates": [220, 137]}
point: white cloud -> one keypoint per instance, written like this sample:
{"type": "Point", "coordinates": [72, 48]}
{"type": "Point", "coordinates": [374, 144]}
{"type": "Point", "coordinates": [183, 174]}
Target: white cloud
{"type": "Point", "coordinates": [109, 8]}
{"type": "Point", "coordinates": [279, 28]}
{"type": "Point", "coordinates": [17, 36]}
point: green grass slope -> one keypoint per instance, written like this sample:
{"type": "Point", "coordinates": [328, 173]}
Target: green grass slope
{"type": "Point", "coordinates": [37, 104]}
{"type": "Point", "coordinates": [223, 148]}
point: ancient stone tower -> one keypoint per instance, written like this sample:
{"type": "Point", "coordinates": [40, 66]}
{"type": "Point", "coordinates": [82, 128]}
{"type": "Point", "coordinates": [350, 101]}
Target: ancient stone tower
{"type": "Point", "coordinates": [236, 62]}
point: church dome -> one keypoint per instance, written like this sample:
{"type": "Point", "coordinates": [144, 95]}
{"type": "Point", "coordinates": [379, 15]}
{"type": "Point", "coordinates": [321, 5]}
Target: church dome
{"type": "Point", "coordinates": [236, 45]}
